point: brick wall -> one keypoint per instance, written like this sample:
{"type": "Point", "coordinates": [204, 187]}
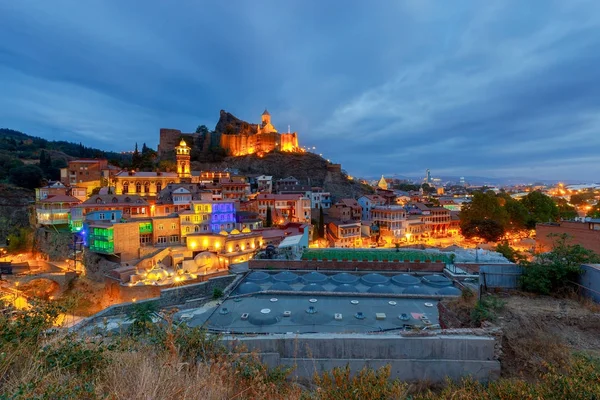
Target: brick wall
{"type": "Point", "coordinates": [580, 233]}
{"type": "Point", "coordinates": [348, 265]}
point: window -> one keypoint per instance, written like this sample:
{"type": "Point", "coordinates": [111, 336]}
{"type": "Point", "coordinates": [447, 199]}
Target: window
{"type": "Point", "coordinates": [196, 228]}
{"type": "Point", "coordinates": [187, 229]}
{"type": "Point", "coordinates": [138, 187]}
{"type": "Point", "coordinates": [160, 227]}
{"type": "Point", "coordinates": [187, 218]}
{"type": "Point", "coordinates": [101, 216]}
{"type": "Point", "coordinates": [158, 187]}
{"type": "Point", "coordinates": [161, 240]}
{"type": "Point", "coordinates": [145, 239]}
{"type": "Point", "coordinates": [173, 226]}
{"type": "Point", "coordinates": [174, 238]}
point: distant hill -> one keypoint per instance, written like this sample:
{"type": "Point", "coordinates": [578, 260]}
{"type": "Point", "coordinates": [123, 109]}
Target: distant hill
{"type": "Point", "coordinates": [25, 146]}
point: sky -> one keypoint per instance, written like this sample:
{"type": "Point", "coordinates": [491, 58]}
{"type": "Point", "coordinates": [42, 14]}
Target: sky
{"type": "Point", "coordinates": [488, 88]}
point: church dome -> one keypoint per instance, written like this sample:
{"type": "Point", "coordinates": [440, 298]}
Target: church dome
{"type": "Point", "coordinates": [183, 143]}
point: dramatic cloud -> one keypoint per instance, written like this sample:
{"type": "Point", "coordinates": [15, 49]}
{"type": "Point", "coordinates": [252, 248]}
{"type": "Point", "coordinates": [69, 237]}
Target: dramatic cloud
{"type": "Point", "coordinates": [488, 88]}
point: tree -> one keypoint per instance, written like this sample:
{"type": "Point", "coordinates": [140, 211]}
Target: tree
{"type": "Point", "coordinates": [555, 271]}
{"type": "Point", "coordinates": [594, 212]}
{"type": "Point", "coordinates": [321, 223]}
{"type": "Point", "coordinates": [541, 208]}
{"type": "Point", "coordinates": [269, 219]}
{"type": "Point", "coordinates": [582, 198]}
{"type": "Point", "coordinates": [486, 229]}
{"type": "Point", "coordinates": [509, 253]}
{"type": "Point", "coordinates": [517, 214]}
{"type": "Point", "coordinates": [565, 210]}
{"type": "Point", "coordinates": [427, 189]}
{"type": "Point", "coordinates": [136, 159]}
{"type": "Point", "coordinates": [483, 207]}
{"type": "Point", "coordinates": [27, 176]}
{"type": "Point", "coordinates": [202, 129]}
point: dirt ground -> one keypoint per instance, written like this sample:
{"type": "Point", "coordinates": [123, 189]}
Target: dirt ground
{"type": "Point", "coordinates": [534, 330]}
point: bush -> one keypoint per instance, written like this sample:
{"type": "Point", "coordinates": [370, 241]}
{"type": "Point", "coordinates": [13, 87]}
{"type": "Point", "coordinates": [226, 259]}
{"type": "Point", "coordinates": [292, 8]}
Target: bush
{"type": "Point", "coordinates": [487, 309]}
{"type": "Point", "coordinates": [552, 272]}
{"type": "Point", "coordinates": [217, 293]}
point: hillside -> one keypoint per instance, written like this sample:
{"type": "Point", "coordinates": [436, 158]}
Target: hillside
{"type": "Point", "coordinates": [308, 168]}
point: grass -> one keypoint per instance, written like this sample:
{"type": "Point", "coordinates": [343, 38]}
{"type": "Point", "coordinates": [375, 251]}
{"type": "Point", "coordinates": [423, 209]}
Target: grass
{"type": "Point", "coordinates": [373, 255]}
{"type": "Point", "coordinates": [177, 362]}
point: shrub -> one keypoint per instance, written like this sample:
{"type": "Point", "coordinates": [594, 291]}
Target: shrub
{"type": "Point", "coordinates": [486, 309]}
{"type": "Point", "coordinates": [217, 293]}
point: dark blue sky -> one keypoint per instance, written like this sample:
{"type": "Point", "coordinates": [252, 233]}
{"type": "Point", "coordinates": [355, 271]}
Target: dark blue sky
{"type": "Point", "coordinates": [488, 88]}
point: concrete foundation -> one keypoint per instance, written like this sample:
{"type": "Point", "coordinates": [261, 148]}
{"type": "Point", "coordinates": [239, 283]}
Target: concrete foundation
{"type": "Point", "coordinates": [432, 358]}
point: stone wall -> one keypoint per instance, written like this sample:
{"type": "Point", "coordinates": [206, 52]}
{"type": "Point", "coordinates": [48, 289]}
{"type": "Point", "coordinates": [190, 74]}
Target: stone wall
{"type": "Point", "coordinates": [193, 294]}
{"type": "Point", "coordinates": [203, 286]}
{"type": "Point", "coordinates": [349, 265]}
{"type": "Point", "coordinates": [430, 357]}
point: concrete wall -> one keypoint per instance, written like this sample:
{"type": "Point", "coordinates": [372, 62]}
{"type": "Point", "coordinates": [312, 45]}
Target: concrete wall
{"type": "Point", "coordinates": [411, 357]}
{"type": "Point", "coordinates": [348, 265]}
{"type": "Point", "coordinates": [590, 279]}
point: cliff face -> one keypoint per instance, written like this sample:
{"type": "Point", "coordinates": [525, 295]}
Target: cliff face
{"type": "Point", "coordinates": [308, 168]}
{"type": "Point", "coordinates": [229, 124]}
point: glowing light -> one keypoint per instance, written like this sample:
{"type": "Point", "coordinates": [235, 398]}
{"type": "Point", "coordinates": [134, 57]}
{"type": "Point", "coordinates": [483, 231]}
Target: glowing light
{"type": "Point", "coordinates": [229, 249]}
{"type": "Point", "coordinates": [134, 299]}
{"type": "Point", "coordinates": [193, 245]}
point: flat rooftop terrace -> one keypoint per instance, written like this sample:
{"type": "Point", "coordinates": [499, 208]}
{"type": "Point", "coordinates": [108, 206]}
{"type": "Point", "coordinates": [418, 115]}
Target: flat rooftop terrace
{"type": "Point", "coordinates": [289, 313]}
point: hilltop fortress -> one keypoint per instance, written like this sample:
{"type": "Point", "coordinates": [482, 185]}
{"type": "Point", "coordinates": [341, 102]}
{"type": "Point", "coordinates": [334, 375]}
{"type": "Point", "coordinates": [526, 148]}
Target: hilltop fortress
{"type": "Point", "coordinates": [235, 136]}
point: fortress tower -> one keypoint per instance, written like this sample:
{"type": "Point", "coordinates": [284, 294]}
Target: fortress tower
{"type": "Point", "coordinates": [182, 154]}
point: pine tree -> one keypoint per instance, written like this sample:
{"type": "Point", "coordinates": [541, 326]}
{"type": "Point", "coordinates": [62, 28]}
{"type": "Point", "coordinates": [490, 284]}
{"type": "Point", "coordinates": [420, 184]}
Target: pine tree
{"type": "Point", "coordinates": [321, 223]}
{"type": "Point", "coordinates": [136, 159]}
{"type": "Point", "coordinates": [269, 219]}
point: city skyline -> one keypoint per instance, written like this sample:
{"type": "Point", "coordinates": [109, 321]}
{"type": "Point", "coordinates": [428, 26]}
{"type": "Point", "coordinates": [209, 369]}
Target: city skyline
{"type": "Point", "coordinates": [500, 89]}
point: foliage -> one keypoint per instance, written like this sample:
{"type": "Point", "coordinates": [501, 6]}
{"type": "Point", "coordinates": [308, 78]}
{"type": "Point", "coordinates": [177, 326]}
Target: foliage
{"type": "Point", "coordinates": [427, 188]}
{"type": "Point", "coordinates": [269, 219]}
{"type": "Point", "coordinates": [565, 210]}
{"type": "Point", "coordinates": [582, 198]}
{"type": "Point", "coordinates": [407, 187]}
{"type": "Point", "coordinates": [594, 212]}
{"type": "Point", "coordinates": [509, 253]}
{"type": "Point", "coordinates": [578, 379]}
{"type": "Point", "coordinates": [551, 272]}
{"type": "Point", "coordinates": [467, 294]}
{"type": "Point", "coordinates": [141, 317]}
{"type": "Point", "coordinates": [486, 309]}
{"type": "Point", "coordinates": [366, 385]}
{"type": "Point", "coordinates": [484, 217]}
{"type": "Point", "coordinates": [321, 227]}
{"type": "Point", "coordinates": [541, 208]}
{"type": "Point", "coordinates": [27, 176]}
{"type": "Point", "coordinates": [486, 229]}
{"type": "Point", "coordinates": [217, 293]}
{"type": "Point", "coordinates": [22, 240]}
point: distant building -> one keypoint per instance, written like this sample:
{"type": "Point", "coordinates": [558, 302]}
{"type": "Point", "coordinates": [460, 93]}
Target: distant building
{"type": "Point", "coordinates": [86, 173]}
{"type": "Point", "coordinates": [344, 234]}
{"type": "Point", "coordinates": [367, 202]}
{"type": "Point", "coordinates": [346, 210]}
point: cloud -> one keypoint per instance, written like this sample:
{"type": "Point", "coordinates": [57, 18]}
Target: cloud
{"type": "Point", "coordinates": [385, 87]}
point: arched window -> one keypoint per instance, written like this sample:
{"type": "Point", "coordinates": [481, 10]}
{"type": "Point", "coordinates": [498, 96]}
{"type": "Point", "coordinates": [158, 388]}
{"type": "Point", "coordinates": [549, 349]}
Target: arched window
{"type": "Point", "coordinates": [98, 200]}
{"type": "Point", "coordinates": [115, 200]}
{"type": "Point", "coordinates": [187, 229]}
{"type": "Point", "coordinates": [158, 187]}
{"type": "Point", "coordinates": [147, 187]}
{"type": "Point", "coordinates": [196, 228]}
{"type": "Point", "coordinates": [125, 187]}
{"type": "Point", "coordinates": [138, 187]}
